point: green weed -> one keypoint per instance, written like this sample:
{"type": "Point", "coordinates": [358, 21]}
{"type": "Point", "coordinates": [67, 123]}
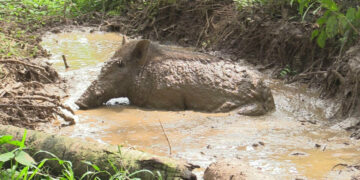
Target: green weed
{"type": "Point", "coordinates": [335, 22]}
{"type": "Point", "coordinates": [287, 71]}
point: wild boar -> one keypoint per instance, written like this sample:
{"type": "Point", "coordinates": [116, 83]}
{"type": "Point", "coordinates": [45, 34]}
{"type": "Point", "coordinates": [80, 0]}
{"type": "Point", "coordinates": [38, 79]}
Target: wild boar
{"type": "Point", "coordinates": [168, 78]}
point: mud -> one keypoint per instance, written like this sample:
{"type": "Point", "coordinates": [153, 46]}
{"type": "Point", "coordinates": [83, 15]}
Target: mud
{"type": "Point", "coordinates": [233, 169]}
{"type": "Point", "coordinates": [292, 142]}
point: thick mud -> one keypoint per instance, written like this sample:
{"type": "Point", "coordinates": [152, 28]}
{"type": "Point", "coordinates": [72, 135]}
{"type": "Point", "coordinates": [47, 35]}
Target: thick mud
{"type": "Point", "coordinates": [292, 142]}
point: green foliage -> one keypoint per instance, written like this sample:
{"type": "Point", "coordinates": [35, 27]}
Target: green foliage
{"type": "Point", "coordinates": [287, 71]}
{"type": "Point", "coordinates": [21, 162]}
{"type": "Point", "coordinates": [248, 3]}
{"type": "Point", "coordinates": [24, 11]}
{"type": "Point", "coordinates": [335, 22]}
{"type": "Point", "coordinates": [21, 17]}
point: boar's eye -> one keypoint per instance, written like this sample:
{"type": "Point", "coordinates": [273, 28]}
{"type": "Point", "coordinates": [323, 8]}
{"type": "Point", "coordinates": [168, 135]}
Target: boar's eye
{"type": "Point", "coordinates": [121, 64]}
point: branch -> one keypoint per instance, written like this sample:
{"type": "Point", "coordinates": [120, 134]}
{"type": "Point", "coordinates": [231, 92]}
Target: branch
{"type": "Point", "coordinates": [22, 63]}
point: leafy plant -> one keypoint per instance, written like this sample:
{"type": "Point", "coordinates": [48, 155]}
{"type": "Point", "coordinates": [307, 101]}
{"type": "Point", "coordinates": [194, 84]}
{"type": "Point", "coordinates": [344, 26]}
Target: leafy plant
{"type": "Point", "coordinates": [23, 161]}
{"type": "Point", "coordinates": [287, 71]}
{"type": "Point", "coordinates": [334, 22]}
{"type": "Point", "coordinates": [248, 3]}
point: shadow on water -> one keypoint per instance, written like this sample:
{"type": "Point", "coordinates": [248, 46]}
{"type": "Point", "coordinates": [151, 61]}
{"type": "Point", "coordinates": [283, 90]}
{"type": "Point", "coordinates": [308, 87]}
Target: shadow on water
{"type": "Point", "coordinates": [288, 143]}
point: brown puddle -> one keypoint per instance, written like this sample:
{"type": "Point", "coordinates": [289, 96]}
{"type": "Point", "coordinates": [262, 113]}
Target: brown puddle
{"type": "Point", "coordinates": [265, 142]}
{"type": "Point", "coordinates": [81, 50]}
{"type": "Point", "coordinates": [319, 161]}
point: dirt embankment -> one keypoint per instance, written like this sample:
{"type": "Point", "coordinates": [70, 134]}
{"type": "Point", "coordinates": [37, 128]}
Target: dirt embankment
{"type": "Point", "coordinates": [28, 94]}
{"type": "Point", "coordinates": [269, 36]}
{"type": "Point", "coordinates": [30, 90]}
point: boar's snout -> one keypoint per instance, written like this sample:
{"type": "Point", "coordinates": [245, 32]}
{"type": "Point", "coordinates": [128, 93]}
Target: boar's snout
{"type": "Point", "coordinates": [93, 97]}
{"type": "Point", "coordinates": [82, 105]}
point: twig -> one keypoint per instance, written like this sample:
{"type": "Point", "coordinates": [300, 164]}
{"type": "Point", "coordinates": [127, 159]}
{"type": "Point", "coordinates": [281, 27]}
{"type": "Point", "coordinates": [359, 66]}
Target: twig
{"type": "Point", "coordinates": [34, 83]}
{"type": "Point", "coordinates": [340, 164]}
{"type": "Point", "coordinates": [5, 116]}
{"type": "Point", "coordinates": [66, 118]}
{"type": "Point", "coordinates": [41, 75]}
{"type": "Point", "coordinates": [22, 63]}
{"type": "Point", "coordinates": [324, 148]}
{"type": "Point", "coordinates": [65, 62]}
{"type": "Point", "coordinates": [167, 139]}
{"type": "Point", "coordinates": [27, 106]}
{"type": "Point", "coordinates": [22, 114]}
{"type": "Point", "coordinates": [45, 95]}
{"type": "Point", "coordinates": [339, 76]}
{"type": "Point", "coordinates": [156, 33]}
{"type": "Point", "coordinates": [303, 75]}
{"type": "Point", "coordinates": [46, 99]}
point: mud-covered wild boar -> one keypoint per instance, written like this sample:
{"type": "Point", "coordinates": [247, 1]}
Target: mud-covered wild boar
{"type": "Point", "coordinates": [155, 76]}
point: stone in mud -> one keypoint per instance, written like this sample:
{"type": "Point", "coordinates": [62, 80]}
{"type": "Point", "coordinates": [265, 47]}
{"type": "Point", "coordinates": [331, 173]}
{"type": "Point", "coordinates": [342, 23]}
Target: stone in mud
{"type": "Point", "coordinates": [233, 170]}
{"type": "Point", "coordinates": [155, 76]}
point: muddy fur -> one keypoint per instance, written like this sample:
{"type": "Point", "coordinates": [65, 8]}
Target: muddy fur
{"type": "Point", "coordinates": [171, 78]}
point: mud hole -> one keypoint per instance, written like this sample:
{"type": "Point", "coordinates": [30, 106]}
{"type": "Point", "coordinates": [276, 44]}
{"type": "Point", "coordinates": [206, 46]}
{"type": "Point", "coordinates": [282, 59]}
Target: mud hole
{"type": "Point", "coordinates": [295, 141]}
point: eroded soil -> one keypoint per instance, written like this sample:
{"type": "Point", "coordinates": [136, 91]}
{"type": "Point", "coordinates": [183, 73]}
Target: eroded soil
{"type": "Point", "coordinates": [292, 142]}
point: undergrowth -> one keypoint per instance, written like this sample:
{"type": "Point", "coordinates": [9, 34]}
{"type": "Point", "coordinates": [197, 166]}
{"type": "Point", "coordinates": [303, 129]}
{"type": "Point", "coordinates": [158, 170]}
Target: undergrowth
{"type": "Point", "coordinates": [19, 18]}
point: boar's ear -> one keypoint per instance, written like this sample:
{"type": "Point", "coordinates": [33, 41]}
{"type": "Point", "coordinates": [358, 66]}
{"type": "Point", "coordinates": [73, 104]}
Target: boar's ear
{"type": "Point", "coordinates": [140, 51]}
{"type": "Point", "coordinates": [124, 40]}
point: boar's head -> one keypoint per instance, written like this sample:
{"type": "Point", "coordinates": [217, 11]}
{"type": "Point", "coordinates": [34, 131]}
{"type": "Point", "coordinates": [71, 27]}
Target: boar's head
{"type": "Point", "coordinates": [116, 74]}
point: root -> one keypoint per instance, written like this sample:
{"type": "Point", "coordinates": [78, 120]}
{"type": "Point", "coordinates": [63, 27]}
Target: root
{"type": "Point", "coordinates": [27, 106]}
{"type": "Point", "coordinates": [24, 100]}
{"type": "Point", "coordinates": [66, 118]}
{"type": "Point", "coordinates": [22, 63]}
{"type": "Point", "coordinates": [339, 76]}
{"type": "Point", "coordinates": [53, 101]}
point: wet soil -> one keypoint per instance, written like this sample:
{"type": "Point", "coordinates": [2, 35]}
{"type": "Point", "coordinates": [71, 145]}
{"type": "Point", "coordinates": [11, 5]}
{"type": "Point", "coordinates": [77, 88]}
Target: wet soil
{"type": "Point", "coordinates": [292, 142]}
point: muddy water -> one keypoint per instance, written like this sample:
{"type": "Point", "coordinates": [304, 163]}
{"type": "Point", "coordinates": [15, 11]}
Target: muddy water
{"type": "Point", "coordinates": [290, 143]}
